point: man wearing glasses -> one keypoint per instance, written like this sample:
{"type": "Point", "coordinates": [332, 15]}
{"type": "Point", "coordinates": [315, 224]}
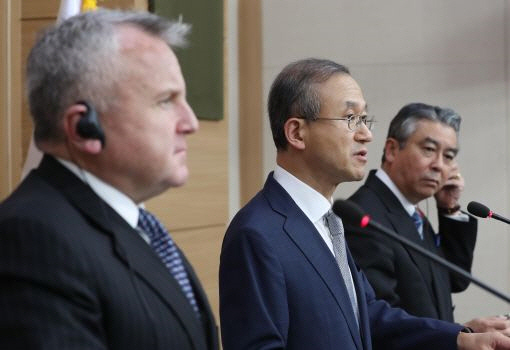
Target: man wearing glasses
{"type": "Point", "coordinates": [287, 280]}
{"type": "Point", "coordinates": [418, 163]}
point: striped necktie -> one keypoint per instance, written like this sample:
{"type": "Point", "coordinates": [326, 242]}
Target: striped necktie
{"type": "Point", "coordinates": [167, 251]}
{"type": "Point", "coordinates": [418, 222]}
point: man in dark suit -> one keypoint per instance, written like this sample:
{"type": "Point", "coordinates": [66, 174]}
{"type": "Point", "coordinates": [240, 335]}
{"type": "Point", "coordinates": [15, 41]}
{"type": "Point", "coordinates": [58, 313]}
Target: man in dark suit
{"type": "Point", "coordinates": [81, 265]}
{"type": "Point", "coordinates": [418, 163]}
{"type": "Point", "coordinates": [287, 280]}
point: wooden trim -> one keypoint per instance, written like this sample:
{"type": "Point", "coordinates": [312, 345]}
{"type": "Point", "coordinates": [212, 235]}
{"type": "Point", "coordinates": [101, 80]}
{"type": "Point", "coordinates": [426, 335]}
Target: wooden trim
{"type": "Point", "coordinates": [10, 95]}
{"type": "Point", "coordinates": [141, 4]}
{"type": "Point", "coordinates": [250, 98]}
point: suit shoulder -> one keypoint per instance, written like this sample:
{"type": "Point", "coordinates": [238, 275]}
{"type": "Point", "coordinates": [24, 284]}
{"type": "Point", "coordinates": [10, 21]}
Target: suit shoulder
{"type": "Point", "coordinates": [38, 212]}
{"type": "Point", "coordinates": [34, 199]}
{"type": "Point", "coordinates": [370, 201]}
{"type": "Point", "coordinates": [254, 211]}
{"type": "Point", "coordinates": [255, 219]}
{"type": "Point", "coordinates": [363, 195]}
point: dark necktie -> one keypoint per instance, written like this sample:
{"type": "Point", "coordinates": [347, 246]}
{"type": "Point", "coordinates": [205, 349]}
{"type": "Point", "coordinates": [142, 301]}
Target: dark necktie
{"type": "Point", "coordinates": [336, 229]}
{"type": "Point", "coordinates": [167, 251]}
{"type": "Point", "coordinates": [418, 222]}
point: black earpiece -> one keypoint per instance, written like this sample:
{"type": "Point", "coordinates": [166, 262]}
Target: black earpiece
{"type": "Point", "coordinates": [89, 126]}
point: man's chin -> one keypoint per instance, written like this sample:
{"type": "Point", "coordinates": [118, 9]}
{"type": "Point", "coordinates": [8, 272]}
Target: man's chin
{"type": "Point", "coordinates": [356, 176]}
{"type": "Point", "coordinates": [180, 178]}
{"type": "Point", "coordinates": [175, 178]}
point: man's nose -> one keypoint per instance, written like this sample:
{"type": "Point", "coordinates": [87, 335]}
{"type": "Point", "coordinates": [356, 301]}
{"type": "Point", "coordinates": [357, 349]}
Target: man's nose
{"type": "Point", "coordinates": [363, 133]}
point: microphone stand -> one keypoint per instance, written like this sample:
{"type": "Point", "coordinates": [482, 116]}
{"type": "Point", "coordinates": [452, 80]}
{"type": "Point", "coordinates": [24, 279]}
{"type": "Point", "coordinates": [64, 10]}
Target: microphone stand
{"type": "Point", "coordinates": [443, 262]}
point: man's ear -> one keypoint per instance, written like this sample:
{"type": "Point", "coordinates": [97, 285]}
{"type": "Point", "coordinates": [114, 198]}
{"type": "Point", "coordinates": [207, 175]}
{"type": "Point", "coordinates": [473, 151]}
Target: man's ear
{"type": "Point", "coordinates": [295, 131]}
{"type": "Point", "coordinates": [72, 115]}
{"type": "Point", "coordinates": [391, 147]}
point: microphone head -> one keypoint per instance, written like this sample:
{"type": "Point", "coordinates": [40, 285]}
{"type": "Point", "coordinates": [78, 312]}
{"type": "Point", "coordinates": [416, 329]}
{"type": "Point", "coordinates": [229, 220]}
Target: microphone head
{"type": "Point", "coordinates": [478, 209]}
{"type": "Point", "coordinates": [350, 212]}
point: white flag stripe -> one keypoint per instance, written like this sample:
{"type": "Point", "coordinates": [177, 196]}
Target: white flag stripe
{"type": "Point", "coordinates": [68, 8]}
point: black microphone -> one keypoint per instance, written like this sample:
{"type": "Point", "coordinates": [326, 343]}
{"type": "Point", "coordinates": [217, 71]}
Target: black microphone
{"type": "Point", "coordinates": [354, 215]}
{"type": "Point", "coordinates": [480, 210]}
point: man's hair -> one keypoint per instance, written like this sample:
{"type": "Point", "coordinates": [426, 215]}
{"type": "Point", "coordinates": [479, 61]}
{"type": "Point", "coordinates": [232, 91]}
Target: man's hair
{"type": "Point", "coordinates": [404, 124]}
{"type": "Point", "coordinates": [294, 93]}
{"type": "Point", "coordinates": [77, 60]}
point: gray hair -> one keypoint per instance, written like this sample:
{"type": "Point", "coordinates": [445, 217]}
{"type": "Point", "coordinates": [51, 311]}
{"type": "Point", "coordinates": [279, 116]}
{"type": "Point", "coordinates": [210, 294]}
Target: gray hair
{"type": "Point", "coordinates": [404, 124]}
{"type": "Point", "coordinates": [294, 93]}
{"type": "Point", "coordinates": [75, 60]}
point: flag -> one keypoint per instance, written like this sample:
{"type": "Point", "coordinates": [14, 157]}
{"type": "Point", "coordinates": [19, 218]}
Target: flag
{"type": "Point", "coordinates": [68, 8]}
{"type": "Point", "coordinates": [89, 5]}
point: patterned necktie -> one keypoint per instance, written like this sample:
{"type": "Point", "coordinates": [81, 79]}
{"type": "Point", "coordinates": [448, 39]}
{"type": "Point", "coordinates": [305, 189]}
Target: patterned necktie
{"type": "Point", "coordinates": [167, 251]}
{"type": "Point", "coordinates": [336, 229]}
{"type": "Point", "coordinates": [418, 222]}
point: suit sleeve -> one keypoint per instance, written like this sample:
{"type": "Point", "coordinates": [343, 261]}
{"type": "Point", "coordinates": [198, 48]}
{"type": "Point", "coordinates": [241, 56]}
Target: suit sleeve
{"type": "Point", "coordinates": [45, 297]}
{"type": "Point", "coordinates": [394, 329]}
{"type": "Point", "coordinates": [253, 303]}
{"type": "Point", "coordinates": [377, 259]}
{"type": "Point", "coordinates": [458, 241]}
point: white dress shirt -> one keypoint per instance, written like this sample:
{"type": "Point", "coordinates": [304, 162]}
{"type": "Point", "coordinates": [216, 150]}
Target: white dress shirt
{"type": "Point", "coordinates": [121, 203]}
{"type": "Point", "coordinates": [313, 204]}
{"type": "Point", "coordinates": [408, 206]}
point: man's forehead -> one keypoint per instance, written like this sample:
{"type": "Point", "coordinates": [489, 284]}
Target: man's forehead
{"type": "Point", "coordinates": [134, 38]}
{"type": "Point", "coordinates": [341, 91]}
{"type": "Point", "coordinates": [436, 132]}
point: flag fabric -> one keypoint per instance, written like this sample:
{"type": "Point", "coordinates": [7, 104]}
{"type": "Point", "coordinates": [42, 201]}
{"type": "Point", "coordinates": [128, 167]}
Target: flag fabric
{"type": "Point", "coordinates": [68, 8]}
{"type": "Point", "coordinates": [88, 5]}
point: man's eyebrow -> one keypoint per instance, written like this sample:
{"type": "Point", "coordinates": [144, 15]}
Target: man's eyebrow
{"type": "Point", "coordinates": [436, 143]}
{"type": "Point", "coordinates": [431, 140]}
{"type": "Point", "coordinates": [352, 104]}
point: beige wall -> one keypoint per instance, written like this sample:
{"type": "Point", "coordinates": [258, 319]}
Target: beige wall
{"type": "Point", "coordinates": [196, 214]}
{"type": "Point", "coordinates": [10, 92]}
{"type": "Point", "coordinates": [450, 53]}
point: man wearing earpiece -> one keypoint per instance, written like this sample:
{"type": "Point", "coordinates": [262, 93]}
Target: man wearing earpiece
{"type": "Point", "coordinates": [81, 265]}
{"type": "Point", "coordinates": [419, 162]}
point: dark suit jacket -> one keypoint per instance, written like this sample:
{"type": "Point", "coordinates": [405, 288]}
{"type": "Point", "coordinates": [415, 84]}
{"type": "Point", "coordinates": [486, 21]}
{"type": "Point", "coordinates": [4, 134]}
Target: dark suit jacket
{"type": "Point", "coordinates": [75, 275]}
{"type": "Point", "coordinates": [402, 276]}
{"type": "Point", "coordinates": [280, 288]}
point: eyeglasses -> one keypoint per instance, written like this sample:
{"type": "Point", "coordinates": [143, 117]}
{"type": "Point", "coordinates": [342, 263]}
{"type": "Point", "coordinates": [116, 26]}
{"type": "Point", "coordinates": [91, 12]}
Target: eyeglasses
{"type": "Point", "coordinates": [354, 121]}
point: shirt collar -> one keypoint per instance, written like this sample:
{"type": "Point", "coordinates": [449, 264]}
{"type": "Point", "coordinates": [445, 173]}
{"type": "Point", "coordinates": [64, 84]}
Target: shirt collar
{"type": "Point", "coordinates": [121, 203]}
{"type": "Point", "coordinates": [313, 204]}
{"type": "Point", "coordinates": [384, 177]}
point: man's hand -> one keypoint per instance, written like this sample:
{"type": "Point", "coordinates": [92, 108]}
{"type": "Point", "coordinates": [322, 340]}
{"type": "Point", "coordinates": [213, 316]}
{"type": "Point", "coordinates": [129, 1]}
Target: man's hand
{"type": "Point", "coordinates": [490, 324]}
{"type": "Point", "coordinates": [448, 196]}
{"type": "Point", "coordinates": [482, 341]}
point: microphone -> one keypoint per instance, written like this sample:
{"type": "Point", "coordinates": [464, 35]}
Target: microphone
{"type": "Point", "coordinates": [354, 215]}
{"type": "Point", "coordinates": [480, 210]}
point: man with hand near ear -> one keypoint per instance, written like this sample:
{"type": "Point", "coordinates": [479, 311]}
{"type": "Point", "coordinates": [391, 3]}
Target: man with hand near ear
{"type": "Point", "coordinates": [419, 162]}
{"type": "Point", "coordinates": [81, 265]}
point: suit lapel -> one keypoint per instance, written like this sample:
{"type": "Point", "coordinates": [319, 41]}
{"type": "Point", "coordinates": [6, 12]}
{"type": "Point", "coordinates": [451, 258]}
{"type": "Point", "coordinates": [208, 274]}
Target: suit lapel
{"type": "Point", "coordinates": [403, 225]}
{"type": "Point", "coordinates": [364, 322]}
{"type": "Point", "coordinates": [201, 297]}
{"type": "Point", "coordinates": [305, 236]}
{"type": "Point", "coordinates": [147, 265]}
{"type": "Point", "coordinates": [439, 277]}
{"type": "Point", "coordinates": [130, 248]}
